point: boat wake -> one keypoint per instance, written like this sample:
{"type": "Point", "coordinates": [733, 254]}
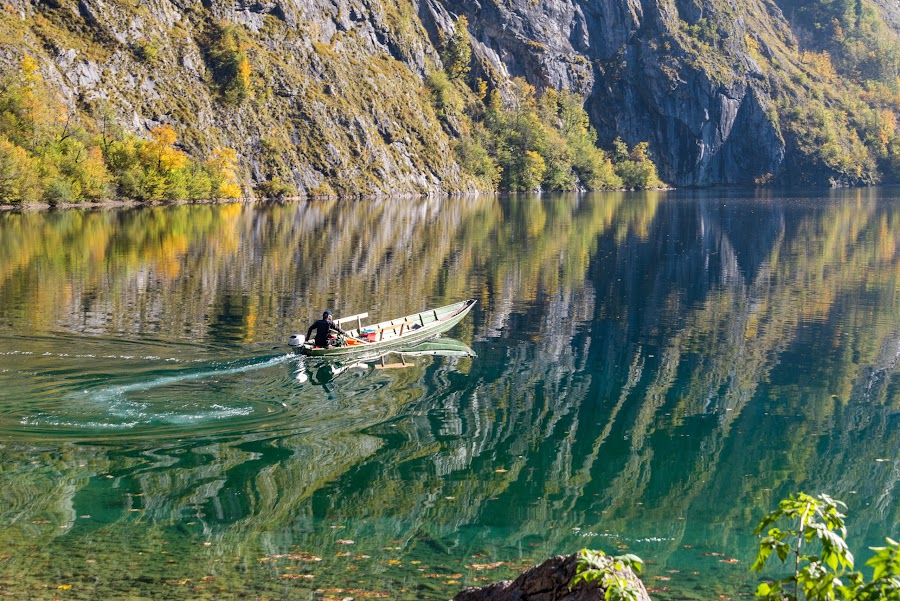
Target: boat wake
{"type": "Point", "coordinates": [134, 404]}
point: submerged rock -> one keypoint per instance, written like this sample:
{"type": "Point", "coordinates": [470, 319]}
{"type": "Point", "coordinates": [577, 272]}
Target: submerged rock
{"type": "Point", "coordinates": [548, 581]}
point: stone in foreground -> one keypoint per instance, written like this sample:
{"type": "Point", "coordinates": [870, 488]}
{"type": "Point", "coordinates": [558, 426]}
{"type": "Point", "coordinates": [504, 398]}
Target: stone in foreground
{"type": "Point", "coordinates": [547, 582]}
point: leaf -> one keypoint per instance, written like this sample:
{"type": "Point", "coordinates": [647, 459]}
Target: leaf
{"type": "Point", "coordinates": [782, 550]}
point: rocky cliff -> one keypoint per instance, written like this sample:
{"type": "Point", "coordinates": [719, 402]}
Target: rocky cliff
{"type": "Point", "coordinates": [334, 95]}
{"type": "Point", "coordinates": [335, 99]}
{"type": "Point", "coordinates": [707, 83]}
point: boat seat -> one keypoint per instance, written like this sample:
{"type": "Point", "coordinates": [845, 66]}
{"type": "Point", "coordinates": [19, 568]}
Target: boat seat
{"type": "Point", "coordinates": [400, 325]}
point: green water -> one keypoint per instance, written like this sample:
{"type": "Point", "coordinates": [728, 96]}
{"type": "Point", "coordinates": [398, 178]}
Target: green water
{"type": "Point", "coordinates": [653, 372]}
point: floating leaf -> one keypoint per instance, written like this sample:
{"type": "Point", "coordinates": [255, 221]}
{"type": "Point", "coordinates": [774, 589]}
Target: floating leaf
{"type": "Point", "coordinates": [479, 567]}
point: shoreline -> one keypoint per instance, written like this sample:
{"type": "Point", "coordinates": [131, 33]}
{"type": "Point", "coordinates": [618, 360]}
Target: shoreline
{"type": "Point", "coordinates": [120, 204]}
{"type": "Point", "coordinates": [127, 204]}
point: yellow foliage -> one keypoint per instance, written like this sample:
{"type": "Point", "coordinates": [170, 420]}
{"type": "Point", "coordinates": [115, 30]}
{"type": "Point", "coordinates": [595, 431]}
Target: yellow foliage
{"type": "Point", "coordinates": [534, 170]}
{"type": "Point", "coordinates": [17, 174]}
{"type": "Point", "coordinates": [887, 127]}
{"type": "Point", "coordinates": [161, 151]}
{"type": "Point", "coordinates": [753, 50]}
{"type": "Point", "coordinates": [222, 162]}
{"type": "Point", "coordinates": [244, 72]}
{"type": "Point", "coordinates": [30, 70]}
{"type": "Point", "coordinates": [820, 63]}
{"type": "Point", "coordinates": [164, 135]}
{"type": "Point", "coordinates": [482, 90]}
{"type": "Point", "coordinates": [229, 190]}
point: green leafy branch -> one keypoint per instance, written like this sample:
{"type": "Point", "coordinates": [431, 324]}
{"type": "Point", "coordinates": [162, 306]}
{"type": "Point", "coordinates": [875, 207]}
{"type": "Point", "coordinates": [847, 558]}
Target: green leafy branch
{"type": "Point", "coordinates": [817, 523]}
{"type": "Point", "coordinates": [609, 573]}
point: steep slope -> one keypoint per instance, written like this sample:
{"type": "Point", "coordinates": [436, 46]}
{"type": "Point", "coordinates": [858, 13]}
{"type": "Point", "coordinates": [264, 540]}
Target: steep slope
{"type": "Point", "coordinates": [725, 92]}
{"type": "Point", "coordinates": [333, 96]}
{"type": "Point", "coordinates": [337, 96]}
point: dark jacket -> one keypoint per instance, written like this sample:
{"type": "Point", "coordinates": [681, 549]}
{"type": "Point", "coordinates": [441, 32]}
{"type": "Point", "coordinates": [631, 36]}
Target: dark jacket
{"type": "Point", "coordinates": [322, 327]}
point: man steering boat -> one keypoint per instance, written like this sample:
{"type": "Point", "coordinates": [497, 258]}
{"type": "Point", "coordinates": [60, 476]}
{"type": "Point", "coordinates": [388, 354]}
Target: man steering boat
{"type": "Point", "coordinates": [323, 328]}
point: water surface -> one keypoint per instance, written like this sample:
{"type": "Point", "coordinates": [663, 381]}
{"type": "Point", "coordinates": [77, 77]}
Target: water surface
{"type": "Point", "coordinates": [653, 372]}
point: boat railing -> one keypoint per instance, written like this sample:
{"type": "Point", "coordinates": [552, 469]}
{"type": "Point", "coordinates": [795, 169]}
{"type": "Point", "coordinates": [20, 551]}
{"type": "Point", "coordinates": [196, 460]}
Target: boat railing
{"type": "Point", "coordinates": [358, 319]}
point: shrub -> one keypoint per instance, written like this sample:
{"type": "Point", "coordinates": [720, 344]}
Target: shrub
{"type": "Point", "coordinates": [145, 51]}
{"type": "Point", "coordinates": [275, 188]}
{"type": "Point", "coordinates": [812, 539]}
{"type": "Point", "coordinates": [230, 62]}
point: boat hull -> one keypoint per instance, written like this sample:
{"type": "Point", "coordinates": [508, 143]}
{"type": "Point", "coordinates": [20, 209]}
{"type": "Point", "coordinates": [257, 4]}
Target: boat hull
{"type": "Point", "coordinates": [395, 333]}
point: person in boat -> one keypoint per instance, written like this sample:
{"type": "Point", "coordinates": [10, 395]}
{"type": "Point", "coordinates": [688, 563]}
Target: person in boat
{"type": "Point", "coordinates": [323, 328]}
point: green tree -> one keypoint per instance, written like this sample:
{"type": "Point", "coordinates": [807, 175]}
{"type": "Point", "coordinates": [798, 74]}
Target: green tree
{"type": "Point", "coordinates": [458, 50]}
{"type": "Point", "coordinates": [228, 55]}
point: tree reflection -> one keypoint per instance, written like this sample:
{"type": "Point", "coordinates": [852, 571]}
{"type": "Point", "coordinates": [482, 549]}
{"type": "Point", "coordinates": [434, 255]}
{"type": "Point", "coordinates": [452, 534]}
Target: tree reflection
{"type": "Point", "coordinates": [649, 366]}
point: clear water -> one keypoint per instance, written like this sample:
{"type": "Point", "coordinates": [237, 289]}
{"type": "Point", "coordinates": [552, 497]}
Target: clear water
{"type": "Point", "coordinates": [653, 372]}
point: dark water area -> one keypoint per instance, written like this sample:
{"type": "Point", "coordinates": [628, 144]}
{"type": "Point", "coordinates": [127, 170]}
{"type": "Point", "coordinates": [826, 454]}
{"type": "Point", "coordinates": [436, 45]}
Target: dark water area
{"type": "Point", "coordinates": [652, 373]}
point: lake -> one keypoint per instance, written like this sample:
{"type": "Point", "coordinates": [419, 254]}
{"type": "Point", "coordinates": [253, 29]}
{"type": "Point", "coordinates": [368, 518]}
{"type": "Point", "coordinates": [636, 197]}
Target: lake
{"type": "Point", "coordinates": [652, 373]}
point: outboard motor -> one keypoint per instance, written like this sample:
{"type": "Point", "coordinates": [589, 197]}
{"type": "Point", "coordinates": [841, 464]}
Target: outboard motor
{"type": "Point", "coordinates": [296, 340]}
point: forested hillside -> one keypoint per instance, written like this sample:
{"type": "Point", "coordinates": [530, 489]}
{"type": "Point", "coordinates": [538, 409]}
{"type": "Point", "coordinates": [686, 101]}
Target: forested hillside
{"type": "Point", "coordinates": [166, 99]}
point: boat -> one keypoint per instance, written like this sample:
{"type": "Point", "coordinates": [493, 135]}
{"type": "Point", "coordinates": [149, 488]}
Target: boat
{"type": "Point", "coordinates": [325, 372]}
{"type": "Point", "coordinates": [401, 331]}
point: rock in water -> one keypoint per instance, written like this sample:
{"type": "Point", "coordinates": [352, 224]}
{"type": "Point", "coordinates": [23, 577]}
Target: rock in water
{"type": "Point", "coordinates": [547, 582]}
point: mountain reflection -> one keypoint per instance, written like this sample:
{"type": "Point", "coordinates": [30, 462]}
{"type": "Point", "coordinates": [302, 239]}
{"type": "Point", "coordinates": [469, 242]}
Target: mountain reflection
{"type": "Point", "coordinates": [653, 371]}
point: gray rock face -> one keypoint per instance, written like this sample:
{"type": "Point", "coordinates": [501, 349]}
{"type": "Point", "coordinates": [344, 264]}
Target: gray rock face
{"type": "Point", "coordinates": [679, 74]}
{"type": "Point", "coordinates": [706, 123]}
{"type": "Point", "coordinates": [336, 101]}
{"type": "Point", "coordinates": [546, 582]}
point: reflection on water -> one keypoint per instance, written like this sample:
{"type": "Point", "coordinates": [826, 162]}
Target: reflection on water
{"type": "Point", "coordinates": [653, 372]}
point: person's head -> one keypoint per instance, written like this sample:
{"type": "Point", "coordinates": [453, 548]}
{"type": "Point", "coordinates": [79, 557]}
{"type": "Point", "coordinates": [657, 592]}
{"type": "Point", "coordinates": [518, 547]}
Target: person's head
{"type": "Point", "coordinates": [327, 315]}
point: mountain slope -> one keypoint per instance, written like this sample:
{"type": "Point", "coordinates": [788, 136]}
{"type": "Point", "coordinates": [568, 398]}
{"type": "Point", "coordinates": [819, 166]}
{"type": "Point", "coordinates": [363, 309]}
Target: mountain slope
{"type": "Point", "coordinates": [334, 100]}
{"type": "Point", "coordinates": [712, 85]}
{"type": "Point", "coordinates": [333, 96]}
